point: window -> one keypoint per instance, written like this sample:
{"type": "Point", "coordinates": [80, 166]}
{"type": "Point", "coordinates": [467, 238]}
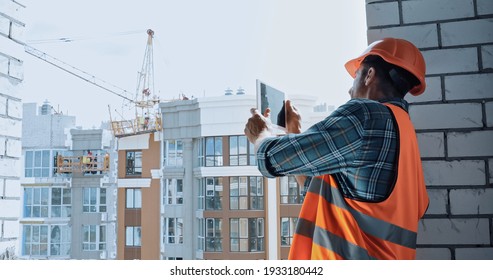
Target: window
{"type": "Point", "coordinates": [134, 163]}
{"type": "Point", "coordinates": [61, 202]}
{"type": "Point", "coordinates": [213, 151]}
{"type": "Point", "coordinates": [247, 234]}
{"type": "Point", "coordinates": [213, 193]}
{"type": "Point", "coordinates": [246, 193]}
{"type": "Point", "coordinates": [133, 198]}
{"type": "Point", "coordinates": [173, 153]}
{"type": "Point", "coordinates": [94, 237]}
{"type": "Point", "coordinates": [291, 192]}
{"type": "Point", "coordinates": [173, 191]}
{"type": "Point", "coordinates": [133, 236]}
{"type": "Point", "coordinates": [213, 237]}
{"type": "Point", "coordinates": [201, 234]}
{"type": "Point", "coordinates": [173, 231]}
{"type": "Point", "coordinates": [288, 226]}
{"type": "Point", "coordinates": [46, 240]}
{"type": "Point", "coordinates": [94, 200]}
{"type": "Point", "coordinates": [241, 152]}
{"type": "Point", "coordinates": [37, 163]}
{"type": "Point", "coordinates": [47, 202]}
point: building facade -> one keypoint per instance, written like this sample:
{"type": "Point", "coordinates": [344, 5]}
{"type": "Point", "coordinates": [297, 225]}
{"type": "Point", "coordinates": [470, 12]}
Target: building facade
{"type": "Point", "coordinates": [12, 25]}
{"type": "Point", "coordinates": [68, 194]}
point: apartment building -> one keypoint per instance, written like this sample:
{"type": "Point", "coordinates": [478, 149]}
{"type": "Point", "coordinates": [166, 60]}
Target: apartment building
{"type": "Point", "coordinates": [215, 204]}
{"type": "Point", "coordinates": [68, 194]}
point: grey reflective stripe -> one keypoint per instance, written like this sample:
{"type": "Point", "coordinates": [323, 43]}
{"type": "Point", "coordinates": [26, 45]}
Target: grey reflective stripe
{"type": "Point", "coordinates": [332, 242]}
{"type": "Point", "coordinates": [368, 224]}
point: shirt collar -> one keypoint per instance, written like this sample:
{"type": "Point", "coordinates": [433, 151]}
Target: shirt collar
{"type": "Point", "coordinates": [396, 101]}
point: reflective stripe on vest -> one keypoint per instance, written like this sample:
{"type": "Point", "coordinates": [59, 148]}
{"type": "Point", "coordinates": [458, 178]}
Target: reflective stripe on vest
{"type": "Point", "coordinates": [333, 227]}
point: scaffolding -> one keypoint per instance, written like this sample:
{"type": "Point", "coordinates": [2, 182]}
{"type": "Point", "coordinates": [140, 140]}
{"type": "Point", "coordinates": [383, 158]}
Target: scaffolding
{"type": "Point", "coordinates": [82, 164]}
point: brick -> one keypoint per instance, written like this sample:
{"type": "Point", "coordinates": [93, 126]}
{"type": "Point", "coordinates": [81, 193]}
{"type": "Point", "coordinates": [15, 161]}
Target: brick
{"type": "Point", "coordinates": [490, 169]}
{"type": "Point", "coordinates": [9, 86]}
{"type": "Point", "coordinates": [439, 61]}
{"type": "Point", "coordinates": [10, 167]}
{"type": "Point", "coordinates": [423, 36]}
{"type": "Point", "coordinates": [485, 7]}
{"type": "Point", "coordinates": [436, 10]}
{"type": "Point", "coordinates": [3, 105]}
{"type": "Point", "coordinates": [10, 208]}
{"type": "Point", "coordinates": [454, 173]}
{"type": "Point", "coordinates": [433, 254]}
{"type": "Point", "coordinates": [487, 56]}
{"type": "Point", "coordinates": [454, 231]}
{"type": "Point", "coordinates": [474, 86]}
{"type": "Point", "coordinates": [438, 201]}
{"type": "Point", "coordinates": [13, 148]}
{"type": "Point", "coordinates": [2, 146]}
{"type": "Point", "coordinates": [474, 254]}
{"type": "Point", "coordinates": [433, 91]}
{"type": "Point", "coordinates": [14, 108]}
{"type": "Point", "coordinates": [4, 65]}
{"type": "Point", "coordinates": [10, 229]}
{"type": "Point", "coordinates": [13, 9]}
{"type": "Point", "coordinates": [10, 127]}
{"type": "Point", "coordinates": [476, 143]}
{"type": "Point", "coordinates": [467, 32]}
{"type": "Point", "coordinates": [431, 144]}
{"type": "Point", "coordinates": [12, 48]}
{"type": "Point", "coordinates": [471, 201]}
{"type": "Point", "coordinates": [4, 25]}
{"type": "Point", "coordinates": [439, 116]}
{"type": "Point", "coordinates": [12, 188]}
{"type": "Point", "coordinates": [489, 113]}
{"type": "Point", "coordinates": [382, 14]}
{"type": "Point", "coordinates": [17, 32]}
{"type": "Point", "coordinates": [16, 69]}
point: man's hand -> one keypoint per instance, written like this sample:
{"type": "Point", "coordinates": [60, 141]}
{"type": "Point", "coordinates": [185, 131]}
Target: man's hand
{"type": "Point", "coordinates": [293, 118]}
{"type": "Point", "coordinates": [258, 126]}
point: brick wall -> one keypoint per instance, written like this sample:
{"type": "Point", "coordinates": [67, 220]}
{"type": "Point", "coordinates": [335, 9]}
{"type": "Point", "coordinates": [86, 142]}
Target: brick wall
{"type": "Point", "coordinates": [453, 118]}
{"type": "Point", "coordinates": [11, 75]}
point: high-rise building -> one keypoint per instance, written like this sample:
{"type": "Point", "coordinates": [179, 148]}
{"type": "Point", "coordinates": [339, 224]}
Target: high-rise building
{"type": "Point", "coordinates": [68, 195]}
{"type": "Point", "coordinates": [193, 191]}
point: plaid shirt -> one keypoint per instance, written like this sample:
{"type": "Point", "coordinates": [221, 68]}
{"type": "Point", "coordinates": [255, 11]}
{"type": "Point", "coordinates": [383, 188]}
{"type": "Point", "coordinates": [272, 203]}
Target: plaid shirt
{"type": "Point", "coordinates": [357, 144]}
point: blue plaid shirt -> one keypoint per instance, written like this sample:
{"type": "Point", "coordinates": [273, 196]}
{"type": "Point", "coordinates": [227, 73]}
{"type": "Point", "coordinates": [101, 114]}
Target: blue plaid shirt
{"type": "Point", "coordinates": [357, 144]}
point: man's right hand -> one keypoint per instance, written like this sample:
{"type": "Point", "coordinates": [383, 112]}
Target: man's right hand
{"type": "Point", "coordinates": [293, 118]}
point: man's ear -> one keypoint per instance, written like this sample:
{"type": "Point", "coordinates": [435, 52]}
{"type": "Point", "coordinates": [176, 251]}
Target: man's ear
{"type": "Point", "coordinates": [370, 76]}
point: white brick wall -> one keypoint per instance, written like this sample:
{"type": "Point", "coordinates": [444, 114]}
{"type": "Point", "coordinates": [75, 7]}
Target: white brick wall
{"type": "Point", "coordinates": [11, 69]}
{"type": "Point", "coordinates": [454, 118]}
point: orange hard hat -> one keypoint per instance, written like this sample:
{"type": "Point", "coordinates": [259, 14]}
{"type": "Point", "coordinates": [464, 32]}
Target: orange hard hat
{"type": "Point", "coordinates": [397, 52]}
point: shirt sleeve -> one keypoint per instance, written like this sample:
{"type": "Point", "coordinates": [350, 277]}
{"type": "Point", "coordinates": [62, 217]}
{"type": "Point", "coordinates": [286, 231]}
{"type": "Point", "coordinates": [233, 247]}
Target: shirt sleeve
{"type": "Point", "coordinates": [327, 147]}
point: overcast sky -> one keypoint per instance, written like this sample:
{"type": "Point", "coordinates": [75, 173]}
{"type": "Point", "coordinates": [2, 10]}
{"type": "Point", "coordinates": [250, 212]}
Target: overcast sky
{"type": "Point", "coordinates": [201, 48]}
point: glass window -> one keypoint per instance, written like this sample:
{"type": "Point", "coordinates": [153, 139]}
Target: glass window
{"type": "Point", "coordinates": [173, 153]}
{"type": "Point", "coordinates": [61, 202]}
{"type": "Point", "coordinates": [94, 200]}
{"type": "Point", "coordinates": [133, 236]}
{"type": "Point", "coordinates": [288, 227]}
{"type": "Point", "coordinates": [173, 191]}
{"type": "Point", "coordinates": [173, 231]}
{"type": "Point", "coordinates": [247, 234]}
{"type": "Point", "coordinates": [238, 151]}
{"type": "Point", "coordinates": [213, 236]}
{"type": "Point", "coordinates": [246, 193]}
{"type": "Point", "coordinates": [46, 240]}
{"type": "Point", "coordinates": [36, 202]}
{"type": "Point", "coordinates": [291, 192]}
{"type": "Point", "coordinates": [37, 163]}
{"type": "Point", "coordinates": [94, 237]}
{"type": "Point", "coordinates": [213, 151]}
{"type": "Point", "coordinates": [134, 163]}
{"type": "Point", "coordinates": [133, 198]}
{"type": "Point", "coordinates": [213, 193]}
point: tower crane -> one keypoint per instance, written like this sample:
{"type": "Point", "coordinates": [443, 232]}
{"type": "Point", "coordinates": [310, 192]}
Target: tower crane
{"type": "Point", "coordinates": [146, 120]}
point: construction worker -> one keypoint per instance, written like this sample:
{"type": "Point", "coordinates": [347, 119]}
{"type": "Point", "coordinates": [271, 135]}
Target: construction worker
{"type": "Point", "coordinates": [361, 165]}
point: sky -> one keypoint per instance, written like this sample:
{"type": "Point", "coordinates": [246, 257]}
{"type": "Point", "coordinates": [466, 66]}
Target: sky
{"type": "Point", "coordinates": [201, 48]}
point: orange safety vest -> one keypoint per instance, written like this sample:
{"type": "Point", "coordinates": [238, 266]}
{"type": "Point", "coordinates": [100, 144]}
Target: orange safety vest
{"type": "Point", "coordinates": [331, 226]}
